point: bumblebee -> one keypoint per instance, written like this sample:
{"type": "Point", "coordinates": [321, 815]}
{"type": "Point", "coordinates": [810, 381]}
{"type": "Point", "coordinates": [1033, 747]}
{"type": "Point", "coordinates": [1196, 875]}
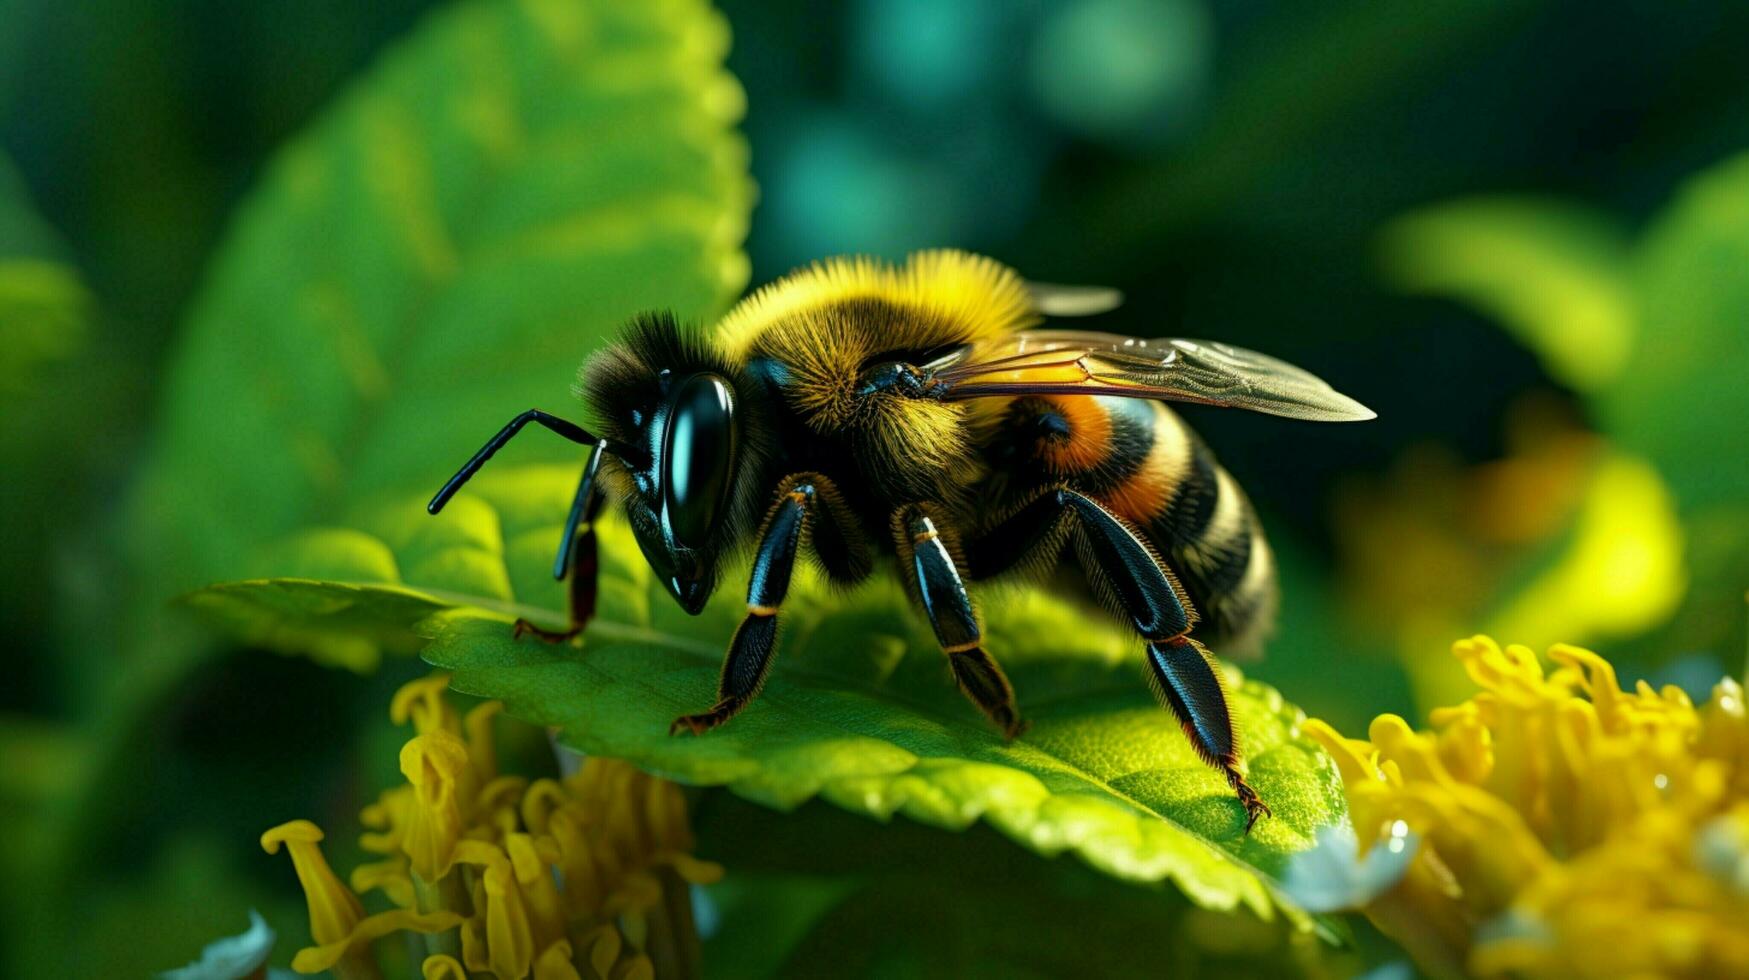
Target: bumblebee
{"type": "Point", "coordinates": [859, 411]}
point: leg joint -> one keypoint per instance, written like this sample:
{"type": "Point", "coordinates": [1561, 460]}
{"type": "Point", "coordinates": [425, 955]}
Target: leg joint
{"type": "Point", "coordinates": [1178, 639]}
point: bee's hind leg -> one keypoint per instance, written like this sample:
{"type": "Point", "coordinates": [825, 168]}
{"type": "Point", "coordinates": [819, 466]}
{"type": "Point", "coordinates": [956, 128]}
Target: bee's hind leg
{"type": "Point", "coordinates": [1184, 679]}
{"type": "Point", "coordinates": [1179, 669]}
{"type": "Point", "coordinates": [936, 582]}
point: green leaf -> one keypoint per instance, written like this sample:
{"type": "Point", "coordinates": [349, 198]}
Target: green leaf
{"type": "Point", "coordinates": [860, 709]}
{"type": "Point", "coordinates": [57, 394]}
{"type": "Point", "coordinates": [1553, 273]}
{"type": "Point", "coordinates": [45, 309]}
{"type": "Point", "coordinates": [1103, 773]}
{"type": "Point", "coordinates": [44, 312]}
{"type": "Point", "coordinates": [346, 594]}
{"type": "Point", "coordinates": [1654, 332]}
{"type": "Point", "coordinates": [1684, 403]}
{"type": "Point", "coordinates": [438, 253]}
{"type": "Point", "coordinates": [1693, 351]}
{"type": "Point", "coordinates": [337, 624]}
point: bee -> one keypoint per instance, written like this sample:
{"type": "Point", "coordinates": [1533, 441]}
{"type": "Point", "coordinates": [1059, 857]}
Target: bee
{"type": "Point", "coordinates": [861, 412]}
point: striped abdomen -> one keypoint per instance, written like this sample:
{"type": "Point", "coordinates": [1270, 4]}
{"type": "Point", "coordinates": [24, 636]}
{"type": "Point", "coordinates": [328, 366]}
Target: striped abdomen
{"type": "Point", "coordinates": [1141, 461]}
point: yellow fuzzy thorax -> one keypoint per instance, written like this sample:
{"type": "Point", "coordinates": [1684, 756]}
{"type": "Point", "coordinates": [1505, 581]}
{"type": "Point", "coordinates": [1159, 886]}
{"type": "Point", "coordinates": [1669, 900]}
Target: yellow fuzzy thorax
{"type": "Point", "coordinates": [979, 296]}
{"type": "Point", "coordinates": [827, 322]}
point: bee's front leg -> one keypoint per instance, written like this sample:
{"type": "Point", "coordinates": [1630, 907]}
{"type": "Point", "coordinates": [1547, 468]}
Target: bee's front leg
{"type": "Point", "coordinates": [576, 547]}
{"type": "Point", "coordinates": [583, 567]}
{"type": "Point", "coordinates": [577, 558]}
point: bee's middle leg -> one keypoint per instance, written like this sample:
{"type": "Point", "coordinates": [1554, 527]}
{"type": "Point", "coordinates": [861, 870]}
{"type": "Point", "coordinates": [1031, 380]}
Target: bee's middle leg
{"type": "Point", "coordinates": [942, 593]}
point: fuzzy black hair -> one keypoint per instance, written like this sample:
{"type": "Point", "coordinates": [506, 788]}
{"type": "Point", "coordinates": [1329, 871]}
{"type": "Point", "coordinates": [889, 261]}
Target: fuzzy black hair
{"type": "Point", "coordinates": [625, 383]}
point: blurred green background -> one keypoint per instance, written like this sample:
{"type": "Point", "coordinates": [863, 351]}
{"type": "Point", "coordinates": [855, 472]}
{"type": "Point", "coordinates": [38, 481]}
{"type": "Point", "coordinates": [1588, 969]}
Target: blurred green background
{"type": "Point", "coordinates": [1513, 229]}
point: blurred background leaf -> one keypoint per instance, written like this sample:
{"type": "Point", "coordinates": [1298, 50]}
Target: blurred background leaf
{"type": "Point", "coordinates": [45, 308]}
{"type": "Point", "coordinates": [1651, 332]}
{"type": "Point", "coordinates": [46, 325]}
{"type": "Point", "coordinates": [1682, 405]}
{"type": "Point", "coordinates": [1554, 274]}
{"type": "Point", "coordinates": [1685, 369]}
{"type": "Point", "coordinates": [446, 244]}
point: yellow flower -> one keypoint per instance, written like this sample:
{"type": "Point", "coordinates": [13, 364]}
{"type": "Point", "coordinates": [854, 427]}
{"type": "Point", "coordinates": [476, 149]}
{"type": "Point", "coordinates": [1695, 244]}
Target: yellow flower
{"type": "Point", "coordinates": [504, 941]}
{"type": "Point", "coordinates": [532, 860]}
{"type": "Point", "coordinates": [436, 764]}
{"type": "Point", "coordinates": [349, 956]}
{"type": "Point", "coordinates": [390, 876]}
{"type": "Point", "coordinates": [482, 751]}
{"type": "Point", "coordinates": [442, 967]}
{"type": "Point", "coordinates": [388, 817]}
{"type": "Point", "coordinates": [333, 909]}
{"type": "Point", "coordinates": [582, 877]}
{"type": "Point", "coordinates": [337, 922]}
{"type": "Point", "coordinates": [555, 963]}
{"type": "Point", "coordinates": [422, 703]}
{"type": "Point", "coordinates": [1566, 827]}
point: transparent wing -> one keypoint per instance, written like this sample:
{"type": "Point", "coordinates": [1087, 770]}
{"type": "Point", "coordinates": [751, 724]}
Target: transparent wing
{"type": "Point", "coordinates": [1080, 362]}
{"type": "Point", "coordinates": [1056, 299]}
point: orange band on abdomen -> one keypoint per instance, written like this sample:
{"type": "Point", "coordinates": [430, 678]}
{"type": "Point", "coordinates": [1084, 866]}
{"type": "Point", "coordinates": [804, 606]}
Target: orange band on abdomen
{"type": "Point", "coordinates": [1145, 494]}
{"type": "Point", "coordinates": [1089, 440]}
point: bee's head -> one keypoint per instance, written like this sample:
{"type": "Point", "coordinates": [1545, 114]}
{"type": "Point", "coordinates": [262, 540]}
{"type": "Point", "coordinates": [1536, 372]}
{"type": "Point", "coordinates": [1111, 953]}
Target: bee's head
{"type": "Point", "coordinates": [670, 394]}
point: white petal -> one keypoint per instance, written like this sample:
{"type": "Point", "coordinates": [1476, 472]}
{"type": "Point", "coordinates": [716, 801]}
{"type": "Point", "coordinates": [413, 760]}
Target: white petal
{"type": "Point", "coordinates": [231, 957]}
{"type": "Point", "coordinates": [1329, 876]}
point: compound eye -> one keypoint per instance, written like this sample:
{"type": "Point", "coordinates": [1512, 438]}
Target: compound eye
{"type": "Point", "coordinates": [698, 454]}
